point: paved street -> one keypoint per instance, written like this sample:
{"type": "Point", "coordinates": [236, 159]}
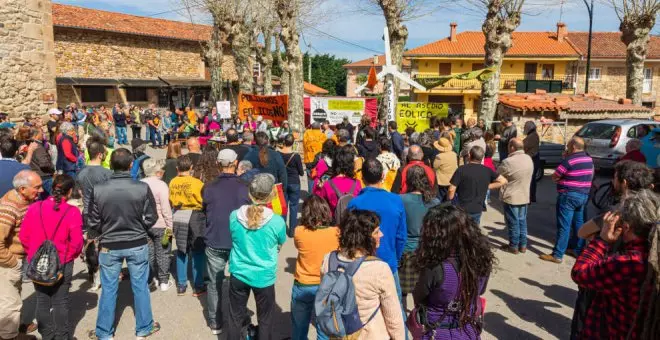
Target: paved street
{"type": "Point", "coordinates": [527, 298]}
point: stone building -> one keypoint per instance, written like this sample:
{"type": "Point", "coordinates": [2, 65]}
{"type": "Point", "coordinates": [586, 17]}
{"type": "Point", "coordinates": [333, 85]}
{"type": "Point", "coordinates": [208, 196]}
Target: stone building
{"type": "Point", "coordinates": [27, 58]}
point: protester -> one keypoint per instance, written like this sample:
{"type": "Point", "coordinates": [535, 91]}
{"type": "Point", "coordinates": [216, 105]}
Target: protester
{"type": "Point", "coordinates": [53, 124]}
{"type": "Point", "coordinates": [207, 169]}
{"type": "Point", "coordinates": [509, 131]}
{"type": "Point", "coordinates": [122, 211]}
{"type": "Point", "coordinates": [218, 206]}
{"type": "Point", "coordinates": [532, 144]}
{"type": "Point", "coordinates": [194, 150]}
{"type": "Point", "coordinates": [139, 147]}
{"type": "Point", "coordinates": [67, 151]}
{"type": "Point", "coordinates": [426, 143]}
{"type": "Point", "coordinates": [369, 147]}
{"type": "Point", "coordinates": [455, 126]}
{"type": "Point", "coordinates": [397, 140]}
{"type": "Point", "coordinates": [171, 157]}
{"type": "Point", "coordinates": [160, 264]}
{"type": "Point", "coordinates": [136, 122]}
{"type": "Point", "coordinates": [120, 125]}
{"type": "Point", "coordinates": [346, 125]}
{"type": "Point", "coordinates": [94, 173]}
{"type": "Point", "coordinates": [256, 234]}
{"type": "Point", "coordinates": [375, 288]}
{"type": "Point", "coordinates": [471, 182]}
{"type": "Point", "coordinates": [455, 260]}
{"type": "Point", "coordinates": [415, 158]}
{"type": "Point", "coordinates": [616, 309]}
{"type": "Point", "coordinates": [234, 144]}
{"type": "Point", "coordinates": [250, 124]}
{"type": "Point", "coordinates": [518, 170]}
{"type": "Point", "coordinates": [420, 197]}
{"type": "Point", "coordinates": [186, 199]}
{"type": "Point", "coordinates": [445, 164]}
{"type": "Point", "coordinates": [9, 166]}
{"type": "Point", "coordinates": [54, 219]}
{"type": "Point", "coordinates": [40, 159]}
{"type": "Point", "coordinates": [471, 138]}
{"type": "Point", "coordinates": [245, 171]}
{"type": "Point", "coordinates": [341, 179]}
{"type": "Point", "coordinates": [344, 137]}
{"type": "Point", "coordinates": [267, 160]}
{"type": "Point", "coordinates": [633, 153]}
{"type": "Point", "coordinates": [314, 238]}
{"type": "Point", "coordinates": [294, 169]}
{"type": "Point", "coordinates": [323, 162]}
{"type": "Point", "coordinates": [313, 140]}
{"type": "Point", "coordinates": [387, 158]}
{"type": "Point", "coordinates": [573, 177]}
{"type": "Point", "coordinates": [13, 207]}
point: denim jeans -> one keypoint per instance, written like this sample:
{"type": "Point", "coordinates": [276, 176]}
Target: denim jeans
{"type": "Point", "coordinates": [122, 138]}
{"type": "Point", "coordinates": [476, 217]}
{"type": "Point", "coordinates": [515, 217]}
{"type": "Point", "coordinates": [310, 181]}
{"type": "Point", "coordinates": [570, 216]}
{"type": "Point", "coordinates": [154, 136]}
{"type": "Point", "coordinates": [397, 283]}
{"type": "Point", "coordinates": [293, 198]}
{"type": "Point", "coordinates": [302, 308]}
{"type": "Point", "coordinates": [198, 268]}
{"type": "Point", "coordinates": [137, 260]}
{"type": "Point", "coordinates": [216, 260]}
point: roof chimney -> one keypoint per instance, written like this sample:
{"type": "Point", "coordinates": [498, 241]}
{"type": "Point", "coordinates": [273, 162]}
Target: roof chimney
{"type": "Point", "coordinates": [452, 32]}
{"type": "Point", "coordinates": [562, 32]}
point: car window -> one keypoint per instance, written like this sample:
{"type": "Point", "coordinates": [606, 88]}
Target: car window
{"type": "Point", "coordinates": [632, 132]}
{"type": "Point", "coordinates": [597, 131]}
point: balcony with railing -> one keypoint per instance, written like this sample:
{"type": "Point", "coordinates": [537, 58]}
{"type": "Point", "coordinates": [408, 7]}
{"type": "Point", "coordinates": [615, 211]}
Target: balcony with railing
{"type": "Point", "coordinates": [514, 83]}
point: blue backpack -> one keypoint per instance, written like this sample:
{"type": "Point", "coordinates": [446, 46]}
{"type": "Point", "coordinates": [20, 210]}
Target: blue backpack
{"type": "Point", "coordinates": [335, 306]}
{"type": "Point", "coordinates": [136, 170]}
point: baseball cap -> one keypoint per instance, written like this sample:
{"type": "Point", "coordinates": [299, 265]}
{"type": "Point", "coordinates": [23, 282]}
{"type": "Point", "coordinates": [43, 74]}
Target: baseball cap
{"type": "Point", "coordinates": [226, 157]}
{"type": "Point", "coordinates": [54, 111]}
{"type": "Point", "coordinates": [137, 142]}
{"type": "Point", "coordinates": [261, 188]}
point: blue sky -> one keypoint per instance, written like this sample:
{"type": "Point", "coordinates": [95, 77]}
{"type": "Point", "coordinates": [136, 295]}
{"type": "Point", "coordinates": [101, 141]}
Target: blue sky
{"type": "Point", "coordinates": [348, 20]}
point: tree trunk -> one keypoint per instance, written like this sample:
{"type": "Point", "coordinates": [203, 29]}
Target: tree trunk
{"type": "Point", "coordinates": [490, 88]}
{"type": "Point", "coordinates": [398, 36]}
{"type": "Point", "coordinates": [267, 62]}
{"type": "Point", "coordinates": [214, 56]}
{"type": "Point", "coordinates": [241, 44]}
{"type": "Point", "coordinates": [285, 77]}
{"type": "Point", "coordinates": [287, 11]}
{"type": "Point", "coordinates": [635, 34]}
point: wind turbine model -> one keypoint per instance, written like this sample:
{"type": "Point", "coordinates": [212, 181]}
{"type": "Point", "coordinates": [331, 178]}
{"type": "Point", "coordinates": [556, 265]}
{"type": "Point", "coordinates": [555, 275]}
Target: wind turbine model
{"type": "Point", "coordinates": [393, 71]}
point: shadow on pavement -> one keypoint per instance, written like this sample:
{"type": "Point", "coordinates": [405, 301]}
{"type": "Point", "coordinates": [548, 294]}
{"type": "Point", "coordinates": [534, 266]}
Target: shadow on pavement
{"type": "Point", "coordinates": [497, 325]}
{"type": "Point", "coordinates": [532, 245]}
{"type": "Point", "coordinates": [565, 296]}
{"type": "Point", "coordinates": [290, 265]}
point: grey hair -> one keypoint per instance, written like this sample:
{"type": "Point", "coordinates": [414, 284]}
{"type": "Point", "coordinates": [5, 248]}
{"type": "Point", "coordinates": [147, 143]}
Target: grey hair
{"type": "Point", "coordinates": [22, 178]}
{"type": "Point", "coordinates": [414, 138]}
{"type": "Point", "coordinates": [66, 127]}
{"type": "Point", "coordinates": [415, 153]}
{"type": "Point", "coordinates": [634, 144]}
{"type": "Point", "coordinates": [343, 135]}
{"type": "Point", "coordinates": [248, 136]}
{"type": "Point", "coordinates": [245, 165]}
{"type": "Point", "coordinates": [640, 211]}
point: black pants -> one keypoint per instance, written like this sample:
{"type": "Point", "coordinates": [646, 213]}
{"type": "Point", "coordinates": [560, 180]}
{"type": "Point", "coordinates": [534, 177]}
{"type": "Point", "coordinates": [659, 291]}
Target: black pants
{"type": "Point", "coordinates": [442, 193]}
{"type": "Point", "coordinates": [239, 292]}
{"type": "Point", "coordinates": [532, 188]}
{"type": "Point", "coordinates": [136, 131]}
{"type": "Point", "coordinates": [55, 324]}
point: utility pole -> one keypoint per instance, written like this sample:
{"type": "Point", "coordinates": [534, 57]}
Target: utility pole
{"type": "Point", "coordinates": [590, 9]}
{"type": "Point", "coordinates": [309, 64]}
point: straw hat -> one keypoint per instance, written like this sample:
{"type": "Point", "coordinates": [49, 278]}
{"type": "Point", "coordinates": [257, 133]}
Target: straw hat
{"type": "Point", "coordinates": [443, 145]}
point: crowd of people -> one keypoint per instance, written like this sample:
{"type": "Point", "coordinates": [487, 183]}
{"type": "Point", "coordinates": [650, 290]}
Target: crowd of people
{"type": "Point", "coordinates": [386, 215]}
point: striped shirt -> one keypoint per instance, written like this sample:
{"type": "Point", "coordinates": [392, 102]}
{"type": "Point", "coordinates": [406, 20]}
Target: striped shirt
{"type": "Point", "coordinates": [12, 211]}
{"type": "Point", "coordinates": [575, 173]}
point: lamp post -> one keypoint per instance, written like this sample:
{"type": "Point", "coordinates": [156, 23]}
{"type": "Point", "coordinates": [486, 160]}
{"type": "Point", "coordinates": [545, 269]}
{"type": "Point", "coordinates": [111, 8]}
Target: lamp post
{"type": "Point", "coordinates": [590, 9]}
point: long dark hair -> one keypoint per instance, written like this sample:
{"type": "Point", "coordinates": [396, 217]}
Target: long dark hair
{"type": "Point", "coordinates": [262, 141]}
{"type": "Point", "coordinates": [418, 181]}
{"type": "Point", "coordinates": [207, 168]}
{"type": "Point", "coordinates": [449, 232]}
{"type": "Point", "coordinates": [355, 232]}
{"type": "Point", "coordinates": [62, 185]}
{"type": "Point", "coordinates": [343, 162]}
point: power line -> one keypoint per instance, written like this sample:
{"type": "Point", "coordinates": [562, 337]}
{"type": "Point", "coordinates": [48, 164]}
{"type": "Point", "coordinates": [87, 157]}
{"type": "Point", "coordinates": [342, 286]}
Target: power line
{"type": "Point", "coordinates": [172, 10]}
{"type": "Point", "coordinates": [344, 41]}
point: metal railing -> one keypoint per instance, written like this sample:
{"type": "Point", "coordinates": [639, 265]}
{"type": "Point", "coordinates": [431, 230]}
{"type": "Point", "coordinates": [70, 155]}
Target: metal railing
{"type": "Point", "coordinates": [507, 82]}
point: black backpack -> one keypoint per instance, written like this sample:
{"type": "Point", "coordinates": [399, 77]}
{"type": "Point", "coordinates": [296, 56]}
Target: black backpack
{"type": "Point", "coordinates": [45, 268]}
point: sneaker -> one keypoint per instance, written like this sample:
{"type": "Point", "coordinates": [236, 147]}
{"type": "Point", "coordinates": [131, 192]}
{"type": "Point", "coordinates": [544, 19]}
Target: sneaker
{"type": "Point", "coordinates": [507, 248]}
{"type": "Point", "coordinates": [153, 331]}
{"type": "Point", "coordinates": [181, 290]}
{"type": "Point", "coordinates": [550, 258]}
{"type": "Point", "coordinates": [216, 331]}
{"type": "Point", "coordinates": [199, 291]}
{"type": "Point", "coordinates": [523, 249]}
{"type": "Point", "coordinates": [153, 286]}
{"type": "Point", "coordinates": [91, 334]}
{"type": "Point", "coordinates": [166, 286]}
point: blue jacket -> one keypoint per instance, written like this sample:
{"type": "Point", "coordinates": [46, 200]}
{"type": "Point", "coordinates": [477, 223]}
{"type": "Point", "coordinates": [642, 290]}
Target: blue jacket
{"type": "Point", "coordinates": [389, 208]}
{"type": "Point", "coordinates": [119, 117]}
{"type": "Point", "coordinates": [397, 144]}
{"type": "Point", "coordinates": [275, 166]}
{"type": "Point", "coordinates": [222, 196]}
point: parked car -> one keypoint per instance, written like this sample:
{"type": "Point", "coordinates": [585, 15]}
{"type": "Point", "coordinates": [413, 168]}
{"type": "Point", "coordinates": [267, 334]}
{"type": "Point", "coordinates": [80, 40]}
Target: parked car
{"type": "Point", "coordinates": [651, 148]}
{"type": "Point", "coordinates": [551, 155]}
{"type": "Point", "coordinates": [606, 140]}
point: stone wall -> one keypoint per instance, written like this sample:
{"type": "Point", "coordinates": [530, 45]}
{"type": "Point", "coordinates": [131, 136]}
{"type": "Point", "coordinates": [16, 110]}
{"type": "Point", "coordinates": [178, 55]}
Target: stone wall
{"type": "Point", "coordinates": [27, 61]}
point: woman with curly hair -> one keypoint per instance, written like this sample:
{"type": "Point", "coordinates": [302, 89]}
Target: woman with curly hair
{"type": "Point", "coordinates": [342, 178]}
{"type": "Point", "coordinates": [375, 291]}
{"type": "Point", "coordinates": [207, 169]}
{"type": "Point", "coordinates": [455, 261]}
{"type": "Point", "coordinates": [420, 197]}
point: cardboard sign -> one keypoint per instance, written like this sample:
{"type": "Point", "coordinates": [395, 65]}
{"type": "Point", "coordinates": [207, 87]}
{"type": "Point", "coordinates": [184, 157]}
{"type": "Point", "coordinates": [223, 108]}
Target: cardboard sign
{"type": "Point", "coordinates": [224, 109]}
{"type": "Point", "coordinates": [335, 109]}
{"type": "Point", "coordinates": [275, 108]}
{"type": "Point", "coordinates": [418, 115]}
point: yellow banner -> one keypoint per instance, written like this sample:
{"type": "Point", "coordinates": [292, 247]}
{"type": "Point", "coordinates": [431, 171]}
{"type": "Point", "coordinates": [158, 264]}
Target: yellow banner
{"type": "Point", "coordinates": [418, 115]}
{"type": "Point", "coordinates": [345, 105]}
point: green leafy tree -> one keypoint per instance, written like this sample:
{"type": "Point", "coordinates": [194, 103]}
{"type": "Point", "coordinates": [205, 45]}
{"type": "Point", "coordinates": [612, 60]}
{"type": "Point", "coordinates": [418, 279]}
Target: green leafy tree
{"type": "Point", "coordinates": [327, 72]}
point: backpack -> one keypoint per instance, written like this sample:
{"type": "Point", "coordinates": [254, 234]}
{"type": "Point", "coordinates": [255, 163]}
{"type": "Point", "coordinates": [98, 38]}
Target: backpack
{"type": "Point", "coordinates": [137, 172]}
{"type": "Point", "coordinates": [335, 306]}
{"type": "Point", "coordinates": [343, 198]}
{"type": "Point", "coordinates": [390, 177]}
{"type": "Point", "coordinates": [45, 268]}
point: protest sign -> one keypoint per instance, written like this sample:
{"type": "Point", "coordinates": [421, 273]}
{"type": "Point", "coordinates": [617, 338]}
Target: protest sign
{"type": "Point", "coordinates": [275, 108]}
{"type": "Point", "coordinates": [223, 109]}
{"type": "Point", "coordinates": [418, 115]}
{"type": "Point", "coordinates": [335, 109]}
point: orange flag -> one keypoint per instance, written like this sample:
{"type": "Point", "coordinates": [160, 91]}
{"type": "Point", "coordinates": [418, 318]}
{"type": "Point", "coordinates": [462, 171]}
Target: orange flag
{"type": "Point", "coordinates": [372, 80]}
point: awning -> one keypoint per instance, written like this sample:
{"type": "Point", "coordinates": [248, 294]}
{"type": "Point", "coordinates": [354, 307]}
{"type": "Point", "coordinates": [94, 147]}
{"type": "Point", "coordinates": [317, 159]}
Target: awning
{"type": "Point", "coordinates": [86, 81]}
{"type": "Point", "coordinates": [141, 83]}
{"type": "Point", "coordinates": [186, 82]}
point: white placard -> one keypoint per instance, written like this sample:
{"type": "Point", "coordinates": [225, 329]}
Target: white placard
{"type": "Point", "coordinates": [224, 110]}
{"type": "Point", "coordinates": [335, 109]}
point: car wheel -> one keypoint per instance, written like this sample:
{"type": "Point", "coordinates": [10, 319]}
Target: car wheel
{"type": "Point", "coordinates": [540, 172]}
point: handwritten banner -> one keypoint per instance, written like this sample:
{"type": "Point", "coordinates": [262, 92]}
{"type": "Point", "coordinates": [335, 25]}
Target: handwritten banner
{"type": "Point", "coordinates": [275, 108]}
{"type": "Point", "coordinates": [418, 115]}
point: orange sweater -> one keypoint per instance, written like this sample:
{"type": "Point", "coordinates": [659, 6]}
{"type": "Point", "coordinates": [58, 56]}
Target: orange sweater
{"type": "Point", "coordinates": [312, 246]}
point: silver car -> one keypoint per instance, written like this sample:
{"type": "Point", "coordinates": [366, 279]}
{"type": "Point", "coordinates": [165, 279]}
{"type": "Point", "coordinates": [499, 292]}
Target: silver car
{"type": "Point", "coordinates": [606, 139]}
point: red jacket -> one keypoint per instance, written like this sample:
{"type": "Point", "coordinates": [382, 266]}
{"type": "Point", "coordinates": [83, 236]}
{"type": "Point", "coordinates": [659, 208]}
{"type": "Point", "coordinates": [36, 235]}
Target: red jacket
{"type": "Point", "coordinates": [69, 237]}
{"type": "Point", "coordinates": [634, 155]}
{"type": "Point", "coordinates": [430, 174]}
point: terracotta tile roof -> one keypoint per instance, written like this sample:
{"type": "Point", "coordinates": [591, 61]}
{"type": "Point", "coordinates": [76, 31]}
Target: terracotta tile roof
{"type": "Point", "coordinates": [608, 45]}
{"type": "Point", "coordinates": [313, 89]}
{"type": "Point", "coordinates": [567, 102]}
{"type": "Point", "coordinates": [471, 43]}
{"type": "Point", "coordinates": [93, 19]}
{"type": "Point", "coordinates": [369, 61]}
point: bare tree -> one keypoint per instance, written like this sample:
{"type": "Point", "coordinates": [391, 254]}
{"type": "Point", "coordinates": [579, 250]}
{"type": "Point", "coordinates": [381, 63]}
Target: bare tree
{"type": "Point", "coordinates": [637, 20]}
{"type": "Point", "coordinates": [502, 18]}
{"type": "Point", "coordinates": [264, 53]}
{"type": "Point", "coordinates": [288, 12]}
{"type": "Point", "coordinates": [284, 79]}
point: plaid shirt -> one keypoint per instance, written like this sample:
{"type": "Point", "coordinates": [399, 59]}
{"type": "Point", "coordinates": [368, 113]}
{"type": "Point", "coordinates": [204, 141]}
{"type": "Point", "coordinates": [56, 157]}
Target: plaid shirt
{"type": "Point", "coordinates": [617, 280]}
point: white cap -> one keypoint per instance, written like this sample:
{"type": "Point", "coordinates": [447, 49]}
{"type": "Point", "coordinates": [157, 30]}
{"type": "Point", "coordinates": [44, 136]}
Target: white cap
{"type": "Point", "coordinates": [226, 157]}
{"type": "Point", "coordinates": [54, 111]}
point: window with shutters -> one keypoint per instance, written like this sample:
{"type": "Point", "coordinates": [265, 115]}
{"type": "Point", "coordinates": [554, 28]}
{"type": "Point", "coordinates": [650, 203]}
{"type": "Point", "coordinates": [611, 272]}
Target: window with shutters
{"type": "Point", "coordinates": [93, 94]}
{"type": "Point", "coordinates": [444, 69]}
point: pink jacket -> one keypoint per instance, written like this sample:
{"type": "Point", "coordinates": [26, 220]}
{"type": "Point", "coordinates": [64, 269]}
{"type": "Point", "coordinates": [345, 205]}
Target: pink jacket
{"type": "Point", "coordinates": [69, 238]}
{"type": "Point", "coordinates": [344, 185]}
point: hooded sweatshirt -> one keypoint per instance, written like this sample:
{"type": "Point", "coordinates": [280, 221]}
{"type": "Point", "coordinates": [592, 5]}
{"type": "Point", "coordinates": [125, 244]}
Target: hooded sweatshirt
{"type": "Point", "coordinates": [253, 258]}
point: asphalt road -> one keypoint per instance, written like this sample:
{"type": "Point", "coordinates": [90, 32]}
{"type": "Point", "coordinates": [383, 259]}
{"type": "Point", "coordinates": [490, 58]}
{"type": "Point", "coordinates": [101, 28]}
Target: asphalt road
{"type": "Point", "coordinates": [526, 297]}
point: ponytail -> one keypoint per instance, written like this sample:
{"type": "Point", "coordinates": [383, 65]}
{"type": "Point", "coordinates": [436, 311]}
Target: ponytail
{"type": "Point", "coordinates": [262, 140]}
{"type": "Point", "coordinates": [263, 156]}
{"type": "Point", "coordinates": [254, 215]}
{"type": "Point", "coordinates": [62, 185]}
